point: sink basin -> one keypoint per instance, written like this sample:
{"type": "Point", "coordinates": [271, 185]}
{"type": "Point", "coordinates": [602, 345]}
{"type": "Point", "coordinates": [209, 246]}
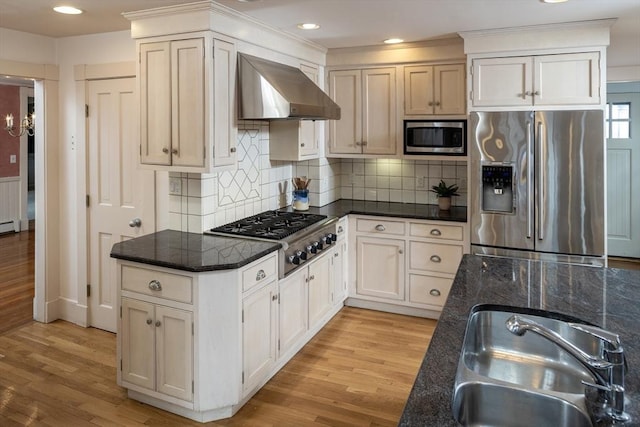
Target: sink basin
{"type": "Point", "coordinates": [508, 380]}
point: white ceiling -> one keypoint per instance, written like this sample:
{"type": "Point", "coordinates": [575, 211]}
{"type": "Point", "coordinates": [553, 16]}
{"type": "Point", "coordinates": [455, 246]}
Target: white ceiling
{"type": "Point", "coordinates": [346, 23]}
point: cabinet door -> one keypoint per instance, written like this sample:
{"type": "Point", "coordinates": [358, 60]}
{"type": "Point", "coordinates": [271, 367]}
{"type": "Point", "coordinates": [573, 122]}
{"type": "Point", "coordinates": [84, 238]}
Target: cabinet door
{"type": "Point", "coordinates": [187, 103]}
{"type": "Point", "coordinates": [449, 89]}
{"type": "Point", "coordinates": [309, 133]}
{"type": "Point", "coordinates": [379, 111]}
{"type": "Point", "coordinates": [345, 135]}
{"type": "Point", "coordinates": [259, 311]}
{"type": "Point", "coordinates": [502, 82]}
{"type": "Point", "coordinates": [225, 129]}
{"type": "Point", "coordinates": [418, 90]}
{"type": "Point", "coordinates": [155, 103]}
{"type": "Point", "coordinates": [338, 276]}
{"type": "Point", "coordinates": [319, 285]}
{"type": "Point", "coordinates": [138, 343]}
{"type": "Point", "coordinates": [174, 352]}
{"type": "Point", "coordinates": [380, 267]}
{"type": "Point", "coordinates": [569, 79]}
{"type": "Point", "coordinates": [292, 309]}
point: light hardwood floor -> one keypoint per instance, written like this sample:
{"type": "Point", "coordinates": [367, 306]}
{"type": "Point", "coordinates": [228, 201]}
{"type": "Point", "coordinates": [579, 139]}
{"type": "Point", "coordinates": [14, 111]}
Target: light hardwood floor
{"type": "Point", "coordinates": [16, 279]}
{"type": "Point", "coordinates": [357, 371]}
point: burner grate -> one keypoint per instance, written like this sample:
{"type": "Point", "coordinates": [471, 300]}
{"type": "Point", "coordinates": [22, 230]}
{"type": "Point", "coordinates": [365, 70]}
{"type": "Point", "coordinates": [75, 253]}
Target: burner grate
{"type": "Point", "coordinates": [274, 225]}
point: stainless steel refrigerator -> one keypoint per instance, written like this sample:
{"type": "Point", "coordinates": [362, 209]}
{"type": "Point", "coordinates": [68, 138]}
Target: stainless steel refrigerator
{"type": "Point", "coordinates": [537, 185]}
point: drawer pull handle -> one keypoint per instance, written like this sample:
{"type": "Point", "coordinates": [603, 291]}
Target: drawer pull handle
{"type": "Point", "coordinates": [435, 258]}
{"type": "Point", "coordinates": [340, 229]}
{"type": "Point", "coordinates": [149, 321]}
{"type": "Point", "coordinates": [154, 285]}
{"type": "Point", "coordinates": [434, 292]}
{"type": "Point", "coordinates": [261, 275]}
{"type": "Point", "coordinates": [380, 227]}
{"type": "Point", "coordinates": [158, 323]}
{"type": "Point", "coordinates": [400, 251]}
{"type": "Point", "coordinates": [435, 232]}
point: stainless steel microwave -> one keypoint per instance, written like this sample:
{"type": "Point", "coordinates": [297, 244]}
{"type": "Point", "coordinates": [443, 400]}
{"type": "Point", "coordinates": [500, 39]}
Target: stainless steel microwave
{"type": "Point", "coordinates": [435, 137]}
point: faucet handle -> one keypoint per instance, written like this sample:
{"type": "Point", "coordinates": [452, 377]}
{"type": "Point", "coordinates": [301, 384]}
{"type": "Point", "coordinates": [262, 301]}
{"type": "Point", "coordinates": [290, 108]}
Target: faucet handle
{"type": "Point", "coordinates": [612, 339]}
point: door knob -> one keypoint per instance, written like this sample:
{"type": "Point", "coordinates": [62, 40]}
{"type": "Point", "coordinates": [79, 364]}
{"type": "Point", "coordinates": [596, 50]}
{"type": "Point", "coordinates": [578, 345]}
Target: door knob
{"type": "Point", "coordinates": [135, 222]}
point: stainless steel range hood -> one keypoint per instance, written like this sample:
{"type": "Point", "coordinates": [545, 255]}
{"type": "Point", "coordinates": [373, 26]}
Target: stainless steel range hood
{"type": "Point", "coordinates": [271, 91]}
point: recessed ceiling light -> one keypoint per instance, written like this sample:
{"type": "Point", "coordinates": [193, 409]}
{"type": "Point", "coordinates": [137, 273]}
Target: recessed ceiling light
{"type": "Point", "coordinates": [67, 10]}
{"type": "Point", "coordinates": [393, 41]}
{"type": "Point", "coordinates": [308, 26]}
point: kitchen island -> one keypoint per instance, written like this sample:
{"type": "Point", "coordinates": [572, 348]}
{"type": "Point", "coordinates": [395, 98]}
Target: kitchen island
{"type": "Point", "coordinates": [608, 298]}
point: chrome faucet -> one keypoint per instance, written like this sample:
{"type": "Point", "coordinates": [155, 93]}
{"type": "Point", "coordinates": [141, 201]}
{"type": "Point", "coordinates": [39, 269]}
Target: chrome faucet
{"type": "Point", "coordinates": [607, 369]}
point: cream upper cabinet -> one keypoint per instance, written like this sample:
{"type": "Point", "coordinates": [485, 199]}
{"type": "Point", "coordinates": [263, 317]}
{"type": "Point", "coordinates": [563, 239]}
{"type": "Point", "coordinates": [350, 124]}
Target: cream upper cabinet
{"type": "Point", "coordinates": [296, 140]}
{"type": "Point", "coordinates": [367, 99]}
{"type": "Point", "coordinates": [434, 89]}
{"type": "Point", "coordinates": [536, 81]}
{"type": "Point", "coordinates": [187, 104]}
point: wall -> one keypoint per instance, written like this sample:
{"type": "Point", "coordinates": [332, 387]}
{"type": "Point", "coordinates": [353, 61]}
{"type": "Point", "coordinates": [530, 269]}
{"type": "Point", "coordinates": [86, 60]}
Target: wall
{"type": "Point", "coordinates": [9, 145]}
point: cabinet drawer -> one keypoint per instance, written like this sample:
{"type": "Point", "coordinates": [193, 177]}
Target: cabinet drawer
{"type": "Point", "coordinates": [157, 283]}
{"type": "Point", "coordinates": [436, 231]}
{"type": "Point", "coordinates": [434, 257]}
{"type": "Point", "coordinates": [428, 289]}
{"type": "Point", "coordinates": [380, 226]}
{"type": "Point", "coordinates": [261, 272]}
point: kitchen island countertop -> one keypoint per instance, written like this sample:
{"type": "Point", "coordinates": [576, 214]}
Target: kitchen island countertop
{"type": "Point", "coordinates": [609, 298]}
{"type": "Point", "coordinates": [191, 251]}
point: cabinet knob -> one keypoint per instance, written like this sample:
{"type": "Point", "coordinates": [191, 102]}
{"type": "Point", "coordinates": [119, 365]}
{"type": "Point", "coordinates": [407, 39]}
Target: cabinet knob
{"type": "Point", "coordinates": [358, 143]}
{"type": "Point", "coordinates": [437, 103]}
{"type": "Point", "coordinates": [336, 254]}
{"type": "Point", "coordinates": [312, 277]}
{"type": "Point", "coordinates": [430, 104]}
{"type": "Point", "coordinates": [155, 285]}
{"type": "Point", "coordinates": [364, 142]}
{"type": "Point", "coordinates": [380, 227]}
{"type": "Point", "coordinates": [340, 229]}
{"type": "Point", "coordinates": [434, 292]}
{"type": "Point", "coordinates": [435, 258]}
{"type": "Point", "coordinates": [149, 321]}
{"type": "Point", "coordinates": [274, 297]}
{"type": "Point", "coordinates": [135, 222]}
{"type": "Point", "coordinates": [302, 144]}
{"type": "Point", "coordinates": [174, 151]}
{"type": "Point", "coordinates": [260, 275]}
{"type": "Point", "coordinates": [232, 149]}
{"type": "Point", "coordinates": [536, 93]}
{"type": "Point", "coordinates": [165, 150]}
{"type": "Point", "coordinates": [400, 251]}
{"type": "Point", "coordinates": [435, 232]}
{"type": "Point", "coordinates": [158, 323]}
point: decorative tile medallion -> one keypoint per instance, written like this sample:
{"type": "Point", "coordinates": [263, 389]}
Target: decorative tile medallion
{"type": "Point", "coordinates": [243, 183]}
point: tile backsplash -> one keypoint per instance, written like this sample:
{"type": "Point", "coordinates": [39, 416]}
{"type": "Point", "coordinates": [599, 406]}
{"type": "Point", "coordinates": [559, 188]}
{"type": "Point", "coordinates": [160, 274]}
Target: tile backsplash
{"type": "Point", "coordinates": [198, 202]}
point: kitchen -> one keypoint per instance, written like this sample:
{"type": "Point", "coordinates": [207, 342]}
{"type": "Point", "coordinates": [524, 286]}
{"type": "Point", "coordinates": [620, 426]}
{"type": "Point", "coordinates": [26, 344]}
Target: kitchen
{"type": "Point", "coordinates": [69, 282]}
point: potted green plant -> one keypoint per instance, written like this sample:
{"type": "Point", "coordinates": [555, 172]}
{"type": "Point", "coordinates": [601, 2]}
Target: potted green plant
{"type": "Point", "coordinates": [444, 193]}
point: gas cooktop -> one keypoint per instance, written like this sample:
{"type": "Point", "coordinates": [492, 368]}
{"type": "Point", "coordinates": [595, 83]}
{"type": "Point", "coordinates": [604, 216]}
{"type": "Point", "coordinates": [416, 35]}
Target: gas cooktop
{"type": "Point", "coordinates": [272, 225]}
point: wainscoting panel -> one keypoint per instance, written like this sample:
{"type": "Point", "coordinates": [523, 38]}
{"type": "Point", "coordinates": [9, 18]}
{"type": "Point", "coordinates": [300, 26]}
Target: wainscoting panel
{"type": "Point", "coordinates": [10, 204]}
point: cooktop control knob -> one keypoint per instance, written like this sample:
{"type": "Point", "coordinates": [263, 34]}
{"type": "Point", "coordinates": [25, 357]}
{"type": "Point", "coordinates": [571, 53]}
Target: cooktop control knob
{"type": "Point", "coordinates": [293, 259]}
{"type": "Point", "coordinates": [332, 236]}
{"type": "Point", "coordinates": [301, 255]}
{"type": "Point", "coordinates": [315, 246]}
{"type": "Point", "coordinates": [326, 240]}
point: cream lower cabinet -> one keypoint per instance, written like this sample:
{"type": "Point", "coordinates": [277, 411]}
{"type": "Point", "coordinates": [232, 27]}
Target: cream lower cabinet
{"type": "Point", "coordinates": [157, 348]}
{"type": "Point", "coordinates": [404, 266]}
{"type": "Point", "coordinates": [259, 334]}
{"type": "Point", "coordinates": [320, 288]}
{"type": "Point", "coordinates": [293, 310]}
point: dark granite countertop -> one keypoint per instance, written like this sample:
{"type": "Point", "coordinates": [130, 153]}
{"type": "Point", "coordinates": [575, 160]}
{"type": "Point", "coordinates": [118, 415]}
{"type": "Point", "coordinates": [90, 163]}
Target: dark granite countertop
{"type": "Point", "coordinates": [344, 207]}
{"type": "Point", "coordinates": [191, 251]}
{"type": "Point", "coordinates": [609, 298]}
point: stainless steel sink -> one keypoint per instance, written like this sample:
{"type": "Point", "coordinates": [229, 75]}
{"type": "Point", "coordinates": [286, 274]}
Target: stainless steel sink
{"type": "Point", "coordinates": [520, 381]}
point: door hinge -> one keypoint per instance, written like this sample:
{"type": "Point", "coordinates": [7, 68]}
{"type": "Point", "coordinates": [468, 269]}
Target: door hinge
{"type": "Point", "coordinates": [88, 200]}
{"type": "Point", "coordinates": [192, 329]}
{"type": "Point", "coordinates": [193, 387]}
{"type": "Point", "coordinates": [470, 95]}
{"type": "Point", "coordinates": [88, 290]}
{"type": "Point", "coordinates": [204, 152]}
{"type": "Point", "coordinates": [242, 377]}
{"type": "Point", "coordinates": [120, 365]}
{"type": "Point", "coordinates": [86, 110]}
{"type": "Point", "coordinates": [121, 312]}
{"type": "Point", "coordinates": [278, 297]}
{"type": "Point", "coordinates": [242, 316]}
{"type": "Point", "coordinates": [471, 69]}
{"type": "Point", "coordinates": [278, 345]}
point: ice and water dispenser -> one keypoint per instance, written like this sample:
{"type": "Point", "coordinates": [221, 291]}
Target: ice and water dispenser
{"type": "Point", "coordinates": [497, 188]}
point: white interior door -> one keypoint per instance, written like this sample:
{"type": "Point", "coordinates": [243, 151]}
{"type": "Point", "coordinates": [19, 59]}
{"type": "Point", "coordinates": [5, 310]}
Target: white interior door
{"type": "Point", "coordinates": [623, 174]}
{"type": "Point", "coordinates": [119, 192]}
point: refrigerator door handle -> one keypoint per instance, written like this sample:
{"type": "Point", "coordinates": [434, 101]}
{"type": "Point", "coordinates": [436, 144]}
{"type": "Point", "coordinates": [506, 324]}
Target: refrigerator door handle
{"type": "Point", "coordinates": [541, 137]}
{"type": "Point", "coordinates": [529, 158]}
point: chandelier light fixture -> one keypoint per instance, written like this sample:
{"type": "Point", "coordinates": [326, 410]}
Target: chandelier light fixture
{"type": "Point", "coordinates": [26, 125]}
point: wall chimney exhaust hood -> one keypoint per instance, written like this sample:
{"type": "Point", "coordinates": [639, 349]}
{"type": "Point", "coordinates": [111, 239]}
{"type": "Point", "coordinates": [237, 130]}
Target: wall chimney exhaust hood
{"type": "Point", "coordinates": [271, 91]}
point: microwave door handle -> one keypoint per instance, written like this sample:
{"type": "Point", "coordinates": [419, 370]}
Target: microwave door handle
{"type": "Point", "coordinates": [529, 178]}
